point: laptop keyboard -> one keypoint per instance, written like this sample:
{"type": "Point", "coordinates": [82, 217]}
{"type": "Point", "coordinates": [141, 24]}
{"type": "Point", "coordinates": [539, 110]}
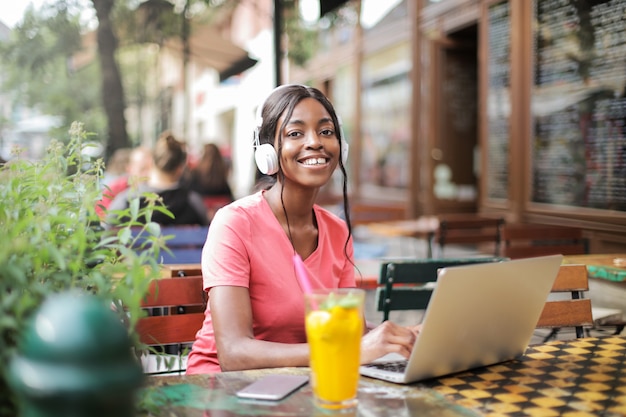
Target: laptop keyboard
{"type": "Point", "coordinates": [394, 366]}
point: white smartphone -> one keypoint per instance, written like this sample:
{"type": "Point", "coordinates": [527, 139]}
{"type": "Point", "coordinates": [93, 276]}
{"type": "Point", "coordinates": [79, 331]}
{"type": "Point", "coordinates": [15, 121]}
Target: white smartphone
{"type": "Point", "coordinates": [272, 387]}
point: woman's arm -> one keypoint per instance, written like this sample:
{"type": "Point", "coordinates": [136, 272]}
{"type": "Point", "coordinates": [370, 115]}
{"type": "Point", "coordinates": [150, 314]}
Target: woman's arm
{"type": "Point", "coordinates": [236, 346]}
{"type": "Point", "coordinates": [238, 349]}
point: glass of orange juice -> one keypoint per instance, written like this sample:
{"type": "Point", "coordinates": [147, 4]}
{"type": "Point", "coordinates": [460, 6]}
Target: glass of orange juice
{"type": "Point", "coordinates": [334, 327]}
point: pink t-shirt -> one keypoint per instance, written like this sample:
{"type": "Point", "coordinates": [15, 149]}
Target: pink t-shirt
{"type": "Point", "coordinates": [247, 247]}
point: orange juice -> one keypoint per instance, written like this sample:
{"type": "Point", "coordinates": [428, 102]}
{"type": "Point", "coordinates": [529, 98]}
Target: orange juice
{"type": "Point", "coordinates": [334, 326]}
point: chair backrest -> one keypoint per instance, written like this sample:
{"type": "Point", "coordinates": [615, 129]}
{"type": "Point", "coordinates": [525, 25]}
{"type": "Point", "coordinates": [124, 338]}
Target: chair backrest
{"type": "Point", "coordinates": [181, 324]}
{"type": "Point", "coordinates": [214, 203]}
{"type": "Point", "coordinates": [184, 242]}
{"type": "Point", "coordinates": [408, 285]}
{"type": "Point", "coordinates": [185, 236]}
{"type": "Point", "coordinates": [574, 312]}
{"type": "Point", "coordinates": [469, 229]}
{"type": "Point", "coordinates": [530, 240]}
{"type": "Point", "coordinates": [180, 270]}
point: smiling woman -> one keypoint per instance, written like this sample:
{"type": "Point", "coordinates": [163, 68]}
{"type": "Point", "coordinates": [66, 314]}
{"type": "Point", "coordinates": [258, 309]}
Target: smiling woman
{"type": "Point", "coordinates": [255, 316]}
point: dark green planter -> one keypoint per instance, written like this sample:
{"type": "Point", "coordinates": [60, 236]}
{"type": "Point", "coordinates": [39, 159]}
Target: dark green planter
{"type": "Point", "coordinates": [75, 360]}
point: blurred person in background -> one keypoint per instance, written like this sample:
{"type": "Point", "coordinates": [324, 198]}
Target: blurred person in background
{"type": "Point", "coordinates": [209, 178]}
{"type": "Point", "coordinates": [169, 160]}
{"type": "Point", "coordinates": [116, 166]}
{"type": "Point", "coordinates": [137, 170]}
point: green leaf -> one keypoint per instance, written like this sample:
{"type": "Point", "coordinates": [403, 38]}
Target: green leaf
{"type": "Point", "coordinates": [51, 242]}
{"type": "Point", "coordinates": [134, 208]}
{"type": "Point", "coordinates": [153, 228]}
{"type": "Point", "coordinates": [125, 236]}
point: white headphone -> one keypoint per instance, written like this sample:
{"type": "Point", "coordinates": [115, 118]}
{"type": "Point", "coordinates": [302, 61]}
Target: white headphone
{"type": "Point", "coordinates": [265, 155]}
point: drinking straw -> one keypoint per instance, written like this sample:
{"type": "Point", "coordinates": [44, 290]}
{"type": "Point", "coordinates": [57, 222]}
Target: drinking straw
{"type": "Point", "coordinates": [303, 278]}
{"type": "Point", "coordinates": [301, 274]}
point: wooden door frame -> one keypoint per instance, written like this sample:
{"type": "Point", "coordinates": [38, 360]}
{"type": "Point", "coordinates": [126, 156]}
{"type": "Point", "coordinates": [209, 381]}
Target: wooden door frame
{"type": "Point", "coordinates": [438, 21]}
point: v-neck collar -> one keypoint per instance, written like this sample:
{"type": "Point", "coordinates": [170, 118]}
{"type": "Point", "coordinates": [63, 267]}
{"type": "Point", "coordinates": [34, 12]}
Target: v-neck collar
{"type": "Point", "coordinates": [279, 229]}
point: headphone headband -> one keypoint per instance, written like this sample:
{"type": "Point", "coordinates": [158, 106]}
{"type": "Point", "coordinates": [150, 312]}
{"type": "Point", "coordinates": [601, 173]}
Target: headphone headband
{"type": "Point", "coordinates": [258, 120]}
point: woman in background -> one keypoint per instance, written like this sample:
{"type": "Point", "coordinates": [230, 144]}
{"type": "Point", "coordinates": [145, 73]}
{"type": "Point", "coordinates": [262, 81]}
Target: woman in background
{"type": "Point", "coordinates": [138, 170]}
{"type": "Point", "coordinates": [209, 178]}
{"type": "Point", "coordinates": [116, 166]}
{"type": "Point", "coordinates": [169, 160]}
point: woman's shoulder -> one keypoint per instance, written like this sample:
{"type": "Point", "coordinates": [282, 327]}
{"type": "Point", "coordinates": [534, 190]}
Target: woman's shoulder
{"type": "Point", "coordinates": [245, 207]}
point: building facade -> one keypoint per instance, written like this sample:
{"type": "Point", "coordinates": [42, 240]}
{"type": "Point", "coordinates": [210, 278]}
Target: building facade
{"type": "Point", "coordinates": [505, 107]}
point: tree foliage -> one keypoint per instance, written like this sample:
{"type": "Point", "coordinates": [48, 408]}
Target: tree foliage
{"type": "Point", "coordinates": [302, 40]}
{"type": "Point", "coordinates": [36, 72]}
{"type": "Point", "coordinates": [35, 60]}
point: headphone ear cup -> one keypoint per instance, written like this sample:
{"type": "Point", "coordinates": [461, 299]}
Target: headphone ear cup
{"type": "Point", "coordinates": [266, 159]}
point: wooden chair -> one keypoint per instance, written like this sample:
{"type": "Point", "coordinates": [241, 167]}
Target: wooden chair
{"type": "Point", "coordinates": [184, 243]}
{"type": "Point", "coordinates": [180, 270]}
{"type": "Point", "coordinates": [214, 203]}
{"type": "Point", "coordinates": [181, 302]}
{"type": "Point", "coordinates": [529, 240]}
{"type": "Point", "coordinates": [609, 321]}
{"type": "Point", "coordinates": [408, 285]}
{"type": "Point", "coordinates": [469, 229]}
{"type": "Point", "coordinates": [574, 312]}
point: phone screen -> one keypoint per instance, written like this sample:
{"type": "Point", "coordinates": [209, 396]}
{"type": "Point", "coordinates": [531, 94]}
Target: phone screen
{"type": "Point", "coordinates": [273, 387]}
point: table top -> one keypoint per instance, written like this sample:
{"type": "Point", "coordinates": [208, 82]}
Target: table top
{"type": "Point", "coordinates": [611, 267]}
{"type": "Point", "coordinates": [421, 227]}
{"type": "Point", "coordinates": [584, 377]}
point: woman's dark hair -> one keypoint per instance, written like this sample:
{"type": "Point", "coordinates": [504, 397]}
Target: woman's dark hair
{"type": "Point", "coordinates": [169, 153]}
{"type": "Point", "coordinates": [211, 173]}
{"type": "Point", "coordinates": [281, 103]}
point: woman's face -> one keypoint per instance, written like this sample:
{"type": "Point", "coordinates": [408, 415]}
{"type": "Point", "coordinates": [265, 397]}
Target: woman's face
{"type": "Point", "coordinates": [310, 148]}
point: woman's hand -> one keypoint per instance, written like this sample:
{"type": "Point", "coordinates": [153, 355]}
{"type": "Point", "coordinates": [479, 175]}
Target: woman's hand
{"type": "Point", "coordinates": [386, 338]}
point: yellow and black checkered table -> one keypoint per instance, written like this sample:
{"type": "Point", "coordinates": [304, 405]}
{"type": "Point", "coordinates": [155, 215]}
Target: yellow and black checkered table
{"type": "Point", "coordinates": [582, 377]}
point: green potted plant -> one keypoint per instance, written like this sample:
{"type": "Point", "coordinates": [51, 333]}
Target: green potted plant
{"type": "Point", "coordinates": [51, 241]}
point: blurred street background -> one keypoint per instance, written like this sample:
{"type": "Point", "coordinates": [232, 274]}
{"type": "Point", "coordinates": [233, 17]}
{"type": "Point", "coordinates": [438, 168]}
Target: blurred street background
{"type": "Point", "coordinates": [196, 67]}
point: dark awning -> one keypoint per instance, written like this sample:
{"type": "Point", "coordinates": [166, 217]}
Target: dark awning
{"type": "Point", "coordinates": [330, 5]}
{"type": "Point", "coordinates": [209, 49]}
{"type": "Point", "coordinates": [238, 67]}
{"type": "Point", "coordinates": [326, 6]}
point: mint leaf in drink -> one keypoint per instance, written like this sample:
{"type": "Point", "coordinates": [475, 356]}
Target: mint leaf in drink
{"type": "Point", "coordinates": [349, 301]}
{"type": "Point", "coordinates": [329, 302]}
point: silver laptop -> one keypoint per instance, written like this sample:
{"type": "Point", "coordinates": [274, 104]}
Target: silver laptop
{"type": "Point", "coordinates": [478, 315]}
